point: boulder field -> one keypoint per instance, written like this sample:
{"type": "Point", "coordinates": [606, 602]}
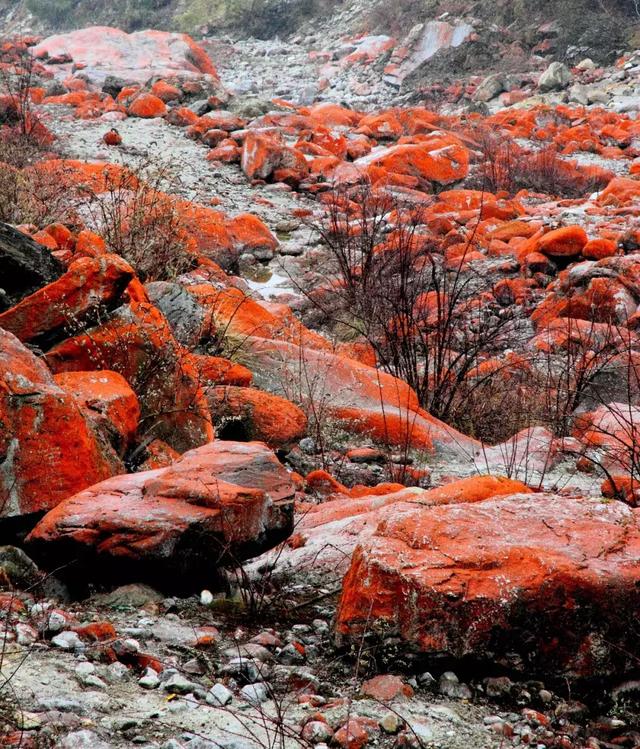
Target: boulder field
{"type": "Point", "coordinates": [162, 424]}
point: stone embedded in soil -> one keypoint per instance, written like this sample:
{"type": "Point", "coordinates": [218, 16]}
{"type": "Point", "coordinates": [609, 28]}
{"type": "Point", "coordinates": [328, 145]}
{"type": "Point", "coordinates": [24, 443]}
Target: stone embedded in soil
{"type": "Point", "coordinates": [553, 579]}
{"type": "Point", "coordinates": [172, 527]}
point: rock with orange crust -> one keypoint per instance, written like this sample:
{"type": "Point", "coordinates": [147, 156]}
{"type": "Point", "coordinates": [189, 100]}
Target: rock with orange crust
{"type": "Point", "coordinates": [136, 341]}
{"type": "Point", "coordinates": [92, 285]}
{"type": "Point", "coordinates": [108, 402]}
{"type": "Point", "coordinates": [499, 577]}
{"type": "Point", "coordinates": [256, 415]}
{"type": "Point", "coordinates": [262, 155]}
{"type": "Point", "coordinates": [172, 527]}
{"type": "Point", "coordinates": [49, 448]}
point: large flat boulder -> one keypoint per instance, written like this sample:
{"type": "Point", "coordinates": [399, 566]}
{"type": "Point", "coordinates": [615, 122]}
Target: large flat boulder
{"type": "Point", "coordinates": [172, 527]}
{"type": "Point", "coordinates": [104, 51]}
{"type": "Point", "coordinates": [540, 580]}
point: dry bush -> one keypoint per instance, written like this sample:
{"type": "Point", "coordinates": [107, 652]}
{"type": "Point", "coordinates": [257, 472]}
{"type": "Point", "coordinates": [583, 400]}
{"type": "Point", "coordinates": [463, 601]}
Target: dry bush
{"type": "Point", "coordinates": [388, 285]}
{"type": "Point", "coordinates": [138, 220]}
{"type": "Point", "coordinates": [506, 167]}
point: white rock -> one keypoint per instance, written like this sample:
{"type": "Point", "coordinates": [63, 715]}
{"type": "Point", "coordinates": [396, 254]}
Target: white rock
{"type": "Point", "coordinates": [556, 77]}
{"type": "Point", "coordinates": [67, 640]}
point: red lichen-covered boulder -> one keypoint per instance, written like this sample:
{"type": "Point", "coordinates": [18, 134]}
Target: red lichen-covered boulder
{"type": "Point", "coordinates": [136, 341]}
{"type": "Point", "coordinates": [89, 286]}
{"type": "Point", "coordinates": [250, 234]}
{"type": "Point", "coordinates": [438, 158]}
{"type": "Point", "coordinates": [331, 530]}
{"type": "Point", "coordinates": [48, 448]}
{"type": "Point", "coordinates": [172, 527]}
{"type": "Point", "coordinates": [564, 242]}
{"type": "Point", "coordinates": [262, 155]}
{"type": "Point", "coordinates": [147, 106]}
{"type": "Point", "coordinates": [104, 51]}
{"type": "Point", "coordinates": [247, 413]}
{"type": "Point", "coordinates": [551, 579]}
{"type": "Point", "coordinates": [108, 402]}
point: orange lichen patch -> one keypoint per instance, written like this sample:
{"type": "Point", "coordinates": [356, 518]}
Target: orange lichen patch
{"type": "Point", "coordinates": [333, 115]}
{"type": "Point", "coordinates": [257, 415]}
{"type": "Point", "coordinates": [622, 487]}
{"type": "Point", "coordinates": [166, 91]}
{"type": "Point", "coordinates": [96, 632]}
{"type": "Point", "coordinates": [249, 233]}
{"type": "Point", "coordinates": [385, 427]}
{"type": "Point", "coordinates": [512, 229]}
{"type": "Point", "coordinates": [438, 158]}
{"type": "Point", "coordinates": [263, 155]}
{"type": "Point", "coordinates": [597, 249]}
{"type": "Point", "coordinates": [45, 239]}
{"type": "Point", "coordinates": [56, 452]}
{"type": "Point", "coordinates": [182, 117]}
{"type": "Point", "coordinates": [89, 244]}
{"type": "Point", "coordinates": [321, 482]}
{"type": "Point", "coordinates": [69, 173]}
{"type": "Point", "coordinates": [620, 191]}
{"type": "Point", "coordinates": [381, 125]}
{"type": "Point", "coordinates": [147, 106]}
{"type": "Point", "coordinates": [214, 370]}
{"type": "Point", "coordinates": [159, 455]}
{"type": "Point", "coordinates": [567, 241]}
{"type": "Point", "coordinates": [381, 490]}
{"type": "Point", "coordinates": [108, 400]}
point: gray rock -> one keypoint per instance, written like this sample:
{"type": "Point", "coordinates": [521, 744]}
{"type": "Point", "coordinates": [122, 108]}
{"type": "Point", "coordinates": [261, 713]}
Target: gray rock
{"type": "Point", "coordinates": [83, 740]}
{"type": "Point", "coordinates": [133, 596]}
{"type": "Point", "coordinates": [256, 694]}
{"type": "Point", "coordinates": [555, 78]}
{"type": "Point", "coordinates": [243, 668]}
{"type": "Point", "coordinates": [491, 86]}
{"type": "Point", "coordinates": [290, 655]}
{"type": "Point", "coordinates": [251, 650]}
{"type": "Point", "coordinates": [184, 314]}
{"type": "Point", "coordinates": [17, 569]}
{"type": "Point", "coordinates": [219, 695]}
{"type": "Point", "coordinates": [116, 673]}
{"type": "Point", "coordinates": [178, 684]}
{"type": "Point", "coordinates": [450, 686]}
{"type": "Point", "coordinates": [149, 680]}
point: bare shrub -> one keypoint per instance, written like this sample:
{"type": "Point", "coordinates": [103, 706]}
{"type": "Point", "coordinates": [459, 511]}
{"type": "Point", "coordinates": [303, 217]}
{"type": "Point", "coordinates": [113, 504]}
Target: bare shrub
{"type": "Point", "coordinates": [507, 167]}
{"type": "Point", "coordinates": [138, 220]}
{"type": "Point", "coordinates": [426, 322]}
